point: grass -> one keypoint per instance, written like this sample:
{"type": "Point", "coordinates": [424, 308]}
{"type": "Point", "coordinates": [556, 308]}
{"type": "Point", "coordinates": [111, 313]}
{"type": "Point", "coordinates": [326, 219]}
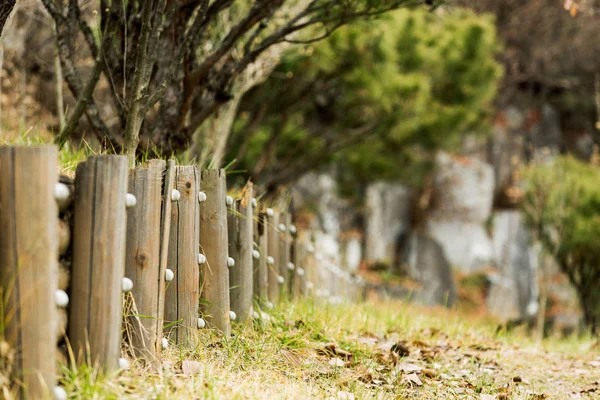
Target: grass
{"type": "Point", "coordinates": [302, 352]}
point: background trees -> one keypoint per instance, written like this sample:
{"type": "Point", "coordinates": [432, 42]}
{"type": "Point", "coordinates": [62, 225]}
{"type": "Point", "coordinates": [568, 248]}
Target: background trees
{"type": "Point", "coordinates": [372, 97]}
{"type": "Point", "coordinates": [562, 204]}
{"type": "Point", "coordinates": [167, 66]}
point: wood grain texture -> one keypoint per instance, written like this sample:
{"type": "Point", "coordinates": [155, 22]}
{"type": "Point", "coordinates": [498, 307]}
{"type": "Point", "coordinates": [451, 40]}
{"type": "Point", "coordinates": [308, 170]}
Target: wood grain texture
{"type": "Point", "coordinates": [273, 249]}
{"type": "Point", "coordinates": [284, 253]}
{"type": "Point", "coordinates": [142, 260]}
{"type": "Point", "coordinates": [214, 243]}
{"type": "Point", "coordinates": [99, 229]}
{"type": "Point", "coordinates": [29, 263]}
{"type": "Point", "coordinates": [260, 279]}
{"type": "Point", "coordinates": [183, 292]}
{"type": "Point", "coordinates": [240, 225]}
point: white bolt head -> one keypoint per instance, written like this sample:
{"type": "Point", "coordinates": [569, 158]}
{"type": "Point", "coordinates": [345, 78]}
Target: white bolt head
{"type": "Point", "coordinates": [201, 197]}
{"type": "Point", "coordinates": [255, 315]}
{"type": "Point", "coordinates": [282, 227]}
{"type": "Point", "coordinates": [280, 279]}
{"type": "Point", "coordinates": [255, 254]}
{"type": "Point", "coordinates": [130, 200]}
{"type": "Point", "coordinates": [127, 284]}
{"type": "Point", "coordinates": [265, 316]}
{"type": "Point", "coordinates": [310, 248]}
{"type": "Point", "coordinates": [229, 200]}
{"type": "Point", "coordinates": [230, 262]}
{"type": "Point", "coordinates": [59, 393]}
{"type": "Point", "coordinates": [175, 195]}
{"type": "Point", "coordinates": [270, 212]}
{"type": "Point", "coordinates": [291, 266]}
{"type": "Point", "coordinates": [254, 202]}
{"type": "Point", "coordinates": [269, 305]}
{"type": "Point", "coordinates": [164, 343]}
{"type": "Point", "coordinates": [232, 316]}
{"type": "Point", "coordinates": [300, 272]}
{"type": "Point", "coordinates": [61, 298]}
{"type": "Point", "coordinates": [61, 193]}
{"type": "Point", "coordinates": [201, 323]}
{"type": "Point", "coordinates": [309, 285]}
{"type": "Point", "coordinates": [293, 229]}
{"type": "Point", "coordinates": [270, 260]}
{"type": "Point", "coordinates": [169, 275]}
{"type": "Point", "coordinates": [201, 258]}
{"type": "Point", "coordinates": [123, 363]}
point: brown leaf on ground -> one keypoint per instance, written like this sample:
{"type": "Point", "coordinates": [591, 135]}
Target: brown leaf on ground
{"type": "Point", "coordinates": [430, 373]}
{"type": "Point", "coordinates": [401, 348]}
{"type": "Point", "coordinates": [191, 367]}
{"type": "Point", "coordinates": [291, 357]}
{"type": "Point", "coordinates": [332, 350]}
{"type": "Point", "coordinates": [409, 368]}
{"type": "Point", "coordinates": [337, 362]}
{"type": "Point", "coordinates": [412, 380]}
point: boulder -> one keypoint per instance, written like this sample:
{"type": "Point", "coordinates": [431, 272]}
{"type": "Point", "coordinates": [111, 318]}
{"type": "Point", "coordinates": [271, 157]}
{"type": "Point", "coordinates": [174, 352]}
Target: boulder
{"type": "Point", "coordinates": [428, 265]}
{"type": "Point", "coordinates": [513, 293]}
{"type": "Point", "coordinates": [388, 213]}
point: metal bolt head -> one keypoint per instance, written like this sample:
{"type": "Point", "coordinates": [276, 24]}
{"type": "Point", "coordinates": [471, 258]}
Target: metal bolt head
{"type": "Point", "coordinates": [230, 262]}
{"type": "Point", "coordinates": [280, 280]}
{"type": "Point", "coordinates": [254, 202]}
{"type": "Point", "coordinates": [127, 284]}
{"type": "Point", "coordinates": [123, 363]}
{"type": "Point", "coordinates": [164, 343]}
{"type": "Point", "coordinates": [255, 254]}
{"type": "Point", "coordinates": [130, 200]}
{"type": "Point", "coordinates": [169, 275]}
{"type": "Point", "coordinates": [270, 260]}
{"type": "Point", "coordinates": [232, 316]}
{"type": "Point", "coordinates": [201, 323]}
{"type": "Point", "coordinates": [61, 193]}
{"type": "Point", "coordinates": [175, 195]}
{"type": "Point", "coordinates": [291, 266]}
{"type": "Point", "coordinates": [270, 212]}
{"type": "Point", "coordinates": [61, 298]}
{"type": "Point", "coordinates": [282, 228]}
{"type": "Point", "coordinates": [229, 201]}
{"type": "Point", "coordinates": [201, 258]}
{"type": "Point", "coordinates": [201, 197]}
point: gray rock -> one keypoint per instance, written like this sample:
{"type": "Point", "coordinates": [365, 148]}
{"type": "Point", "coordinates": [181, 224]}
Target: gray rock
{"type": "Point", "coordinates": [388, 212]}
{"type": "Point", "coordinates": [428, 265]}
{"type": "Point", "coordinates": [513, 292]}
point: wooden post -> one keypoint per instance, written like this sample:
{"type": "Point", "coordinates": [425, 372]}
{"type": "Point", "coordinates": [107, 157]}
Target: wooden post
{"type": "Point", "coordinates": [183, 292]}
{"type": "Point", "coordinates": [300, 262]}
{"type": "Point", "coordinates": [214, 243]}
{"type": "Point", "coordinates": [98, 260]}
{"type": "Point", "coordinates": [273, 261]}
{"type": "Point", "coordinates": [284, 252]}
{"type": "Point", "coordinates": [240, 225]}
{"type": "Point", "coordinates": [147, 231]}
{"type": "Point", "coordinates": [261, 280]}
{"type": "Point", "coordinates": [29, 264]}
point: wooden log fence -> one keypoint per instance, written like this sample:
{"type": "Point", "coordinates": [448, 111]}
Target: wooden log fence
{"type": "Point", "coordinates": [162, 243]}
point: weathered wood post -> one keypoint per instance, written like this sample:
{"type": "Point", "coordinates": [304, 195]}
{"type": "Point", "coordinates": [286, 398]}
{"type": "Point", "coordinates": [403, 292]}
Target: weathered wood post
{"type": "Point", "coordinates": [300, 271]}
{"type": "Point", "coordinates": [98, 260]}
{"type": "Point", "coordinates": [310, 268]}
{"type": "Point", "coordinates": [273, 256]}
{"type": "Point", "coordinates": [183, 286]}
{"type": "Point", "coordinates": [214, 243]}
{"type": "Point", "coordinates": [29, 264]}
{"type": "Point", "coordinates": [260, 253]}
{"type": "Point", "coordinates": [240, 225]}
{"type": "Point", "coordinates": [286, 268]}
{"type": "Point", "coordinates": [148, 227]}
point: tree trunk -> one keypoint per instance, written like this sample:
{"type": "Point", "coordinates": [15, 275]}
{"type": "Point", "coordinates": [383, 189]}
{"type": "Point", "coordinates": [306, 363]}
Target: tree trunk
{"type": "Point", "coordinates": [6, 8]}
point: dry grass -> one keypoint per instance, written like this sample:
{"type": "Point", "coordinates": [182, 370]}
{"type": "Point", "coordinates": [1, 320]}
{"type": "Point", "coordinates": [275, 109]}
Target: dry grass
{"type": "Point", "coordinates": [311, 350]}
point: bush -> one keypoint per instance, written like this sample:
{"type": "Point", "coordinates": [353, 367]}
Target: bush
{"type": "Point", "coordinates": [562, 204]}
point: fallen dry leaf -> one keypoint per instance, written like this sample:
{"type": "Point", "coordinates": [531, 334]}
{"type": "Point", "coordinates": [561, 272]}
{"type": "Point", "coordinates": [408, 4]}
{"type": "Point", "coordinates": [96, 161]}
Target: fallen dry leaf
{"type": "Point", "coordinates": [408, 368]}
{"type": "Point", "coordinates": [412, 379]}
{"type": "Point", "coordinates": [401, 348]}
{"type": "Point", "coordinates": [191, 367]}
{"type": "Point", "coordinates": [337, 362]}
{"type": "Point", "coordinates": [430, 373]}
{"type": "Point", "coordinates": [332, 350]}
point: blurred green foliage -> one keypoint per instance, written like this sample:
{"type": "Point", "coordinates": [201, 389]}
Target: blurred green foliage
{"type": "Point", "coordinates": [562, 204]}
{"type": "Point", "coordinates": [374, 97]}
